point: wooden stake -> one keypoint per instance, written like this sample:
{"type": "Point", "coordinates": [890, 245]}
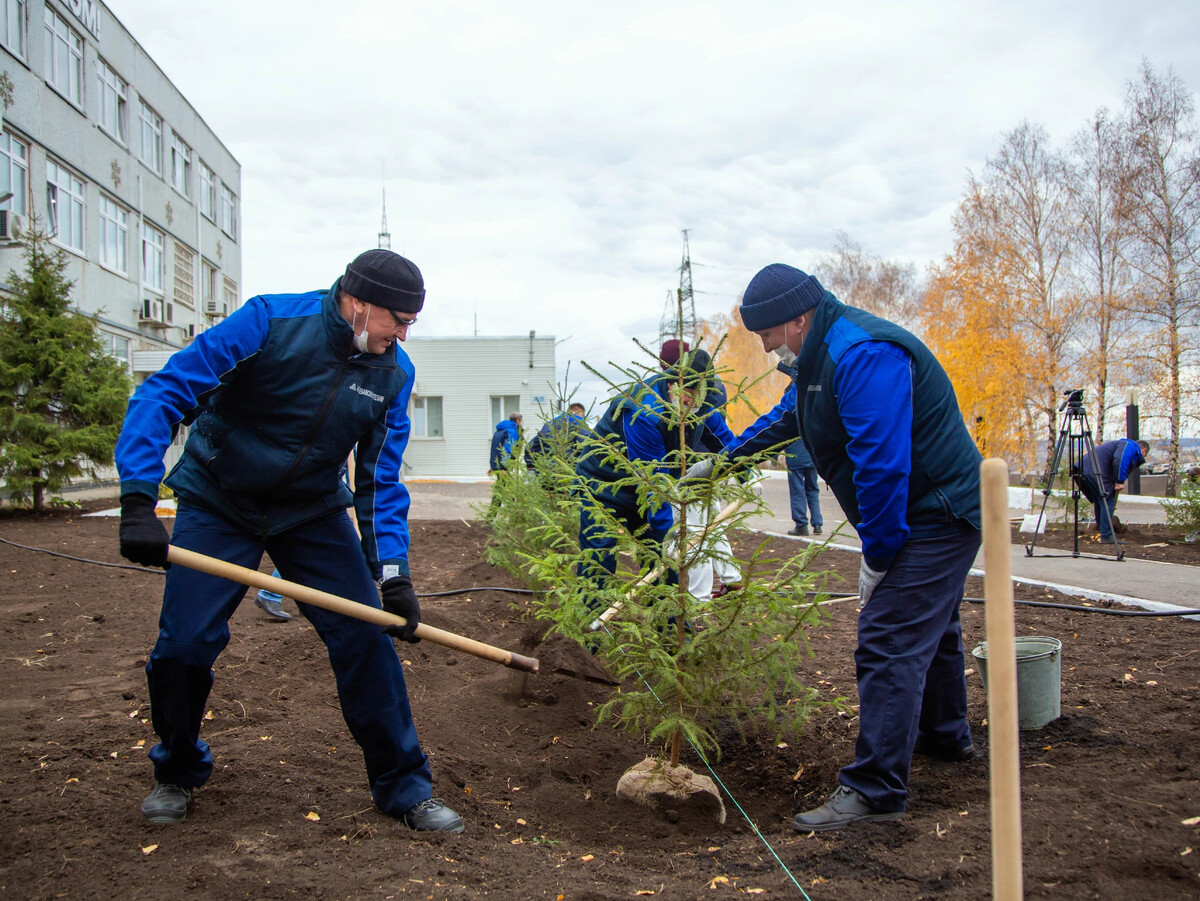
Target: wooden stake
{"type": "Point", "coordinates": [327, 601]}
{"type": "Point", "coordinates": [1003, 744]}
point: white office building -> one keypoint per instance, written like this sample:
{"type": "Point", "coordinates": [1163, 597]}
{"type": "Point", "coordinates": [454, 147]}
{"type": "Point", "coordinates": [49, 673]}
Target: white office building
{"type": "Point", "coordinates": [112, 160]}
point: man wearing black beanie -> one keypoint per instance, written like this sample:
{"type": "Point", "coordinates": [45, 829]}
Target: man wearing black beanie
{"type": "Point", "coordinates": [278, 395]}
{"type": "Point", "coordinates": [879, 415]}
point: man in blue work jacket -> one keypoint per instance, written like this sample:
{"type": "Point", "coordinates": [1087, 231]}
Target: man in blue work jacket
{"type": "Point", "coordinates": [879, 416]}
{"type": "Point", "coordinates": [1105, 471]}
{"type": "Point", "coordinates": [278, 396]}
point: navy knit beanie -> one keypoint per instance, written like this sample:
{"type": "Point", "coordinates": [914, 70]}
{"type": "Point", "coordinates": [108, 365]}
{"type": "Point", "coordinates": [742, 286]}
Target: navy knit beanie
{"type": "Point", "coordinates": [778, 294]}
{"type": "Point", "coordinates": [386, 280]}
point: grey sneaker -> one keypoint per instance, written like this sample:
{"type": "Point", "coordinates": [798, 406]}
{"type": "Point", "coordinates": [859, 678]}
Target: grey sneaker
{"type": "Point", "coordinates": [844, 807]}
{"type": "Point", "coordinates": [432, 815]}
{"type": "Point", "coordinates": [272, 606]}
{"type": "Point", "coordinates": [167, 803]}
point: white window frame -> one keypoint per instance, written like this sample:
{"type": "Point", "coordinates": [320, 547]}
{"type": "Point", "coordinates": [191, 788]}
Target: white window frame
{"type": "Point", "coordinates": [15, 175]}
{"type": "Point", "coordinates": [65, 194]}
{"type": "Point", "coordinates": [229, 295]}
{"type": "Point", "coordinates": [13, 28]}
{"type": "Point", "coordinates": [116, 346]}
{"type": "Point", "coordinates": [208, 282]}
{"type": "Point", "coordinates": [64, 57]}
{"type": "Point", "coordinates": [502, 409]}
{"type": "Point", "coordinates": [150, 132]}
{"type": "Point", "coordinates": [179, 169]}
{"type": "Point", "coordinates": [208, 192]}
{"type": "Point", "coordinates": [228, 212]}
{"type": "Point", "coordinates": [113, 94]}
{"type": "Point", "coordinates": [114, 235]}
{"type": "Point", "coordinates": [422, 411]}
{"type": "Point", "coordinates": [153, 258]}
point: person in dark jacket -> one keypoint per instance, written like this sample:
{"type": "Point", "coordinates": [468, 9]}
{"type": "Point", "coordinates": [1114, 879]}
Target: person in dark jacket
{"type": "Point", "coordinates": [562, 434]}
{"type": "Point", "coordinates": [804, 491]}
{"type": "Point", "coordinates": [879, 416]}
{"type": "Point", "coordinates": [278, 396]}
{"type": "Point", "coordinates": [1105, 471]}
{"type": "Point", "coordinates": [638, 425]}
{"type": "Point", "coordinates": [504, 439]}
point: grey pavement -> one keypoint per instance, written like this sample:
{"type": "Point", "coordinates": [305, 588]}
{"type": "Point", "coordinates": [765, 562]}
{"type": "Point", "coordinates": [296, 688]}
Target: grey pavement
{"type": "Point", "coordinates": [1144, 583]}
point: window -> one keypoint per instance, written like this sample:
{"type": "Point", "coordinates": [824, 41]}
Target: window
{"type": "Point", "coordinates": [115, 345]}
{"type": "Point", "coordinates": [12, 28]}
{"type": "Point", "coordinates": [64, 58]}
{"type": "Point", "coordinates": [503, 407]}
{"type": "Point", "coordinates": [114, 230]}
{"type": "Point", "coordinates": [208, 285]}
{"type": "Point", "coordinates": [208, 192]}
{"type": "Point", "coordinates": [114, 116]}
{"type": "Point", "coordinates": [64, 206]}
{"type": "Point", "coordinates": [184, 281]}
{"type": "Point", "coordinates": [228, 212]}
{"type": "Point", "coordinates": [151, 125]}
{"type": "Point", "coordinates": [152, 257]}
{"type": "Point", "coordinates": [228, 296]}
{"type": "Point", "coordinates": [180, 172]}
{"type": "Point", "coordinates": [427, 417]}
{"type": "Point", "coordinates": [14, 173]}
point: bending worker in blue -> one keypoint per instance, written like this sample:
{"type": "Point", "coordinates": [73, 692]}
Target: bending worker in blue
{"type": "Point", "coordinates": [879, 415]}
{"type": "Point", "coordinates": [639, 426]}
{"type": "Point", "coordinates": [1105, 471]}
{"type": "Point", "coordinates": [278, 395]}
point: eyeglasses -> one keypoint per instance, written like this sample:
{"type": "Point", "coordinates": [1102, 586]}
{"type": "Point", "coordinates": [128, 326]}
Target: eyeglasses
{"type": "Point", "coordinates": [401, 323]}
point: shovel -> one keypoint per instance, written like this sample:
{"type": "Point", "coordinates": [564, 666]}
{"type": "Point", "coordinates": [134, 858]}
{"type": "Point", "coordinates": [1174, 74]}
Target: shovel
{"type": "Point", "coordinates": [327, 601]}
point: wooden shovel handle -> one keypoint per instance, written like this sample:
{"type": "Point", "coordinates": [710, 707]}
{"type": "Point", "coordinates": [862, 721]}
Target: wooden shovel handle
{"type": "Point", "coordinates": [327, 601]}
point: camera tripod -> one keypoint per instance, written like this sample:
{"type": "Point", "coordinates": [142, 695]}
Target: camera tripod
{"type": "Point", "coordinates": [1074, 444]}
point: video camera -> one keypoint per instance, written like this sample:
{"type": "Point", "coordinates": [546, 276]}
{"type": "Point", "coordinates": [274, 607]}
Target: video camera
{"type": "Point", "coordinates": [1074, 399]}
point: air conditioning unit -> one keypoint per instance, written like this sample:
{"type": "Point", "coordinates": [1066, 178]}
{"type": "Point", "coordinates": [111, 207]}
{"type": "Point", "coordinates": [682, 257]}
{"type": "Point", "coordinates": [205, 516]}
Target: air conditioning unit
{"type": "Point", "coordinates": [152, 311]}
{"type": "Point", "coordinates": [12, 226]}
{"type": "Point", "coordinates": [212, 307]}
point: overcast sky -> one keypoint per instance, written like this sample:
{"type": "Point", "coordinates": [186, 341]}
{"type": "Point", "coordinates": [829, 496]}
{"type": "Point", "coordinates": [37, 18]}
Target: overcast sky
{"type": "Point", "coordinates": [541, 159]}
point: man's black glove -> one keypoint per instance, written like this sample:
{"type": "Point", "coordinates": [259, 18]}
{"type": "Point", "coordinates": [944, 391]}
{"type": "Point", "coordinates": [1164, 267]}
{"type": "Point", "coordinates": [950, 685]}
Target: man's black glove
{"type": "Point", "coordinates": [143, 537]}
{"type": "Point", "coordinates": [400, 599]}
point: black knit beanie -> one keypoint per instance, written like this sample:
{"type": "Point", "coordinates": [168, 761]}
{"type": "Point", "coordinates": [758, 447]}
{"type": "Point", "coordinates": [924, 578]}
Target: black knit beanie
{"type": "Point", "coordinates": [778, 293]}
{"type": "Point", "coordinates": [386, 280]}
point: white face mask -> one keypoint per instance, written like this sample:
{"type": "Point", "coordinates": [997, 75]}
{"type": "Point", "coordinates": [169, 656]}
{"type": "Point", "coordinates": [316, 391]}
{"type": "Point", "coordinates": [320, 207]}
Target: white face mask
{"type": "Point", "coordinates": [786, 357]}
{"type": "Point", "coordinates": [360, 338]}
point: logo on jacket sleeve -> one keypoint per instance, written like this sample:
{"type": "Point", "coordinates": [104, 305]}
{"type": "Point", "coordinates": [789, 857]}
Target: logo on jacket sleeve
{"type": "Point", "coordinates": [365, 393]}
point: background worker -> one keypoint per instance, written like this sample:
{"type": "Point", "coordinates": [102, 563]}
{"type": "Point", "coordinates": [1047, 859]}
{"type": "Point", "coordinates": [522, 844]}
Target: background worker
{"type": "Point", "coordinates": [880, 418]}
{"type": "Point", "coordinates": [640, 425]}
{"type": "Point", "coordinates": [804, 491]}
{"type": "Point", "coordinates": [504, 443]}
{"type": "Point", "coordinates": [1105, 471]}
{"type": "Point", "coordinates": [562, 434]}
{"type": "Point", "coordinates": [280, 393]}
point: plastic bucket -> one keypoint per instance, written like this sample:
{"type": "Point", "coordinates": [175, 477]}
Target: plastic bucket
{"type": "Point", "coordinates": [1039, 679]}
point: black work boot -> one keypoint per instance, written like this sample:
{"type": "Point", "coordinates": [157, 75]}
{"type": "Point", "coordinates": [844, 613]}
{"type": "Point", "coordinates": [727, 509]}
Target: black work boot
{"type": "Point", "coordinates": [844, 807]}
{"type": "Point", "coordinates": [166, 804]}
{"type": "Point", "coordinates": [432, 815]}
{"type": "Point", "coordinates": [930, 748]}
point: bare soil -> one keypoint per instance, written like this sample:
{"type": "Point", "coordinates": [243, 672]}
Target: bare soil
{"type": "Point", "coordinates": [1140, 541]}
{"type": "Point", "coordinates": [1106, 789]}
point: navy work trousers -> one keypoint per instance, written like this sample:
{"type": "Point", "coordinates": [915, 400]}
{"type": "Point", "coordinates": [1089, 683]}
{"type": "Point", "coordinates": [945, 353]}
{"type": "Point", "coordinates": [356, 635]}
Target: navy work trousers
{"type": "Point", "coordinates": [194, 629]}
{"type": "Point", "coordinates": [909, 664]}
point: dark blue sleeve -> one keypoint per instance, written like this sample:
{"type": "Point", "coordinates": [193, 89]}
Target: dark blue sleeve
{"type": "Point", "coordinates": [644, 441]}
{"type": "Point", "coordinates": [873, 382]}
{"type": "Point", "coordinates": [778, 426]}
{"type": "Point", "coordinates": [176, 391]}
{"type": "Point", "coordinates": [715, 425]}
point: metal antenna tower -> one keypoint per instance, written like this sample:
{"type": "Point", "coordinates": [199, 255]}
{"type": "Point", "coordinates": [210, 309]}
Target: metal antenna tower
{"type": "Point", "coordinates": [385, 237]}
{"type": "Point", "coordinates": [679, 315]}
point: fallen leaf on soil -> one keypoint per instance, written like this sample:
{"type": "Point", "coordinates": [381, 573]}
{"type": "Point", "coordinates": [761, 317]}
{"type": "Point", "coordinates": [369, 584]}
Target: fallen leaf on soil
{"type": "Point", "coordinates": [208, 715]}
{"type": "Point", "coordinates": [1191, 821]}
{"type": "Point", "coordinates": [781, 745]}
{"type": "Point", "coordinates": [312, 816]}
{"type": "Point", "coordinates": [1185, 852]}
{"type": "Point", "coordinates": [720, 880]}
{"type": "Point", "coordinates": [756, 891]}
{"type": "Point", "coordinates": [969, 672]}
{"type": "Point", "coordinates": [588, 857]}
{"type": "Point", "coordinates": [149, 849]}
{"type": "Point", "coordinates": [113, 755]}
{"type": "Point", "coordinates": [517, 841]}
{"type": "Point", "coordinates": [799, 773]}
{"type": "Point", "coordinates": [1129, 677]}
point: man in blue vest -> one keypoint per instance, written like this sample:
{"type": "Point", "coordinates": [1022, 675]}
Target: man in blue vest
{"type": "Point", "coordinates": [278, 396]}
{"type": "Point", "coordinates": [879, 416]}
{"type": "Point", "coordinates": [1105, 471]}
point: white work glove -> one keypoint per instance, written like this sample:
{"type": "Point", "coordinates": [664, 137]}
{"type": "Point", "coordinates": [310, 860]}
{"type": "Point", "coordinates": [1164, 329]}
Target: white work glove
{"type": "Point", "coordinates": [868, 580]}
{"type": "Point", "coordinates": [701, 471]}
